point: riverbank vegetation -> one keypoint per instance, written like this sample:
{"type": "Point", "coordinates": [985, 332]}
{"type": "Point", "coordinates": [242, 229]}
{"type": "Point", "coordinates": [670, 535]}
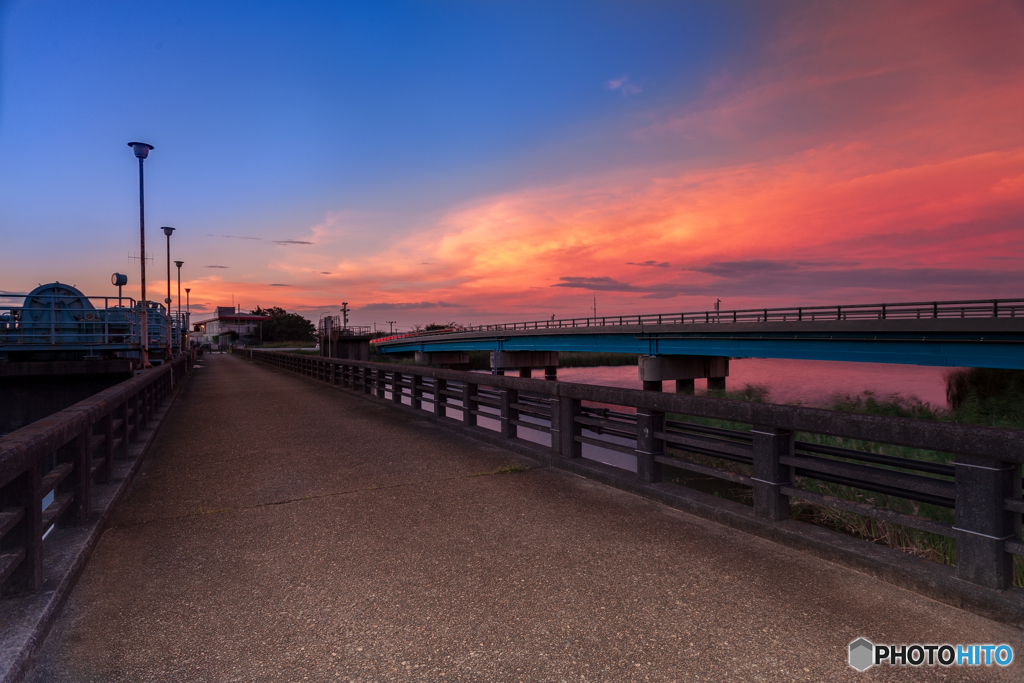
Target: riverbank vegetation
{"type": "Point", "coordinates": [977, 396]}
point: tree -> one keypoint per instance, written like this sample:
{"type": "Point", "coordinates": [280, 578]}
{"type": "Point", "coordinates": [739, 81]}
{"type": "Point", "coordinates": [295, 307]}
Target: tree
{"type": "Point", "coordinates": [284, 326]}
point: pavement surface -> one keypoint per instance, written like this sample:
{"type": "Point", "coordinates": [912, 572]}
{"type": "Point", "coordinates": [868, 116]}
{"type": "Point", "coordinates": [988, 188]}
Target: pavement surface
{"type": "Point", "coordinates": [284, 530]}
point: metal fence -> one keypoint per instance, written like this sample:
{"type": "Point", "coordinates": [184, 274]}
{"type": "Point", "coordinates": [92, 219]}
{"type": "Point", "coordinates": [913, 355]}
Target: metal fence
{"type": "Point", "coordinates": [988, 308]}
{"type": "Point", "coordinates": [86, 322]}
{"type": "Point", "coordinates": [980, 485]}
{"type": "Point", "coordinates": [65, 454]}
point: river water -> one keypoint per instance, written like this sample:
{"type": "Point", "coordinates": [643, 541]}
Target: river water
{"type": "Point", "coordinates": [807, 382]}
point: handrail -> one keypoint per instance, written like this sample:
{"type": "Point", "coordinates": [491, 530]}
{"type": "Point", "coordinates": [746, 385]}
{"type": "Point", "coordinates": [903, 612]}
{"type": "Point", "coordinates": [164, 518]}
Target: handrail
{"type": "Point", "coordinates": [974, 308]}
{"type": "Point", "coordinates": [66, 454]}
{"type": "Point", "coordinates": [982, 484]}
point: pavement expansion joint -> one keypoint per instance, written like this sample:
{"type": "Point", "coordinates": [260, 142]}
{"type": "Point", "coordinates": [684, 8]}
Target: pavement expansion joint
{"type": "Point", "coordinates": [507, 469]}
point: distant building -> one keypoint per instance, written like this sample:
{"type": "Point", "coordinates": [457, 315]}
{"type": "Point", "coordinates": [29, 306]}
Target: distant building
{"type": "Point", "coordinates": [227, 327]}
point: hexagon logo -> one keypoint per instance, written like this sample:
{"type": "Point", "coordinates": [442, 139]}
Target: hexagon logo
{"type": "Point", "coordinates": [862, 654]}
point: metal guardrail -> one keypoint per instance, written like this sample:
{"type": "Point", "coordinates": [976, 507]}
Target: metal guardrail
{"type": "Point", "coordinates": [981, 484]}
{"type": "Point", "coordinates": [981, 308]}
{"type": "Point", "coordinates": [338, 329]}
{"type": "Point", "coordinates": [64, 455]}
{"type": "Point", "coordinates": [88, 322]}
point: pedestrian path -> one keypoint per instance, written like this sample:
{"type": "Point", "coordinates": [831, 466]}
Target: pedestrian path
{"type": "Point", "coordinates": [284, 530]}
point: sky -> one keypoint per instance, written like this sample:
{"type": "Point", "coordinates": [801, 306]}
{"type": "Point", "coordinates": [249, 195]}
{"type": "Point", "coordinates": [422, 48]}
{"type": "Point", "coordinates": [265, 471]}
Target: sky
{"type": "Point", "coordinates": [508, 161]}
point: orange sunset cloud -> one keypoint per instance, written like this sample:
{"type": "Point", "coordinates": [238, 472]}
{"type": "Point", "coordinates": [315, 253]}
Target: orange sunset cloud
{"type": "Point", "coordinates": [874, 151]}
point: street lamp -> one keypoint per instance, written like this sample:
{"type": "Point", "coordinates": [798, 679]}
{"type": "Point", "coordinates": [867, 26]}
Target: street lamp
{"type": "Point", "coordinates": [181, 344]}
{"type": "Point", "coordinates": [168, 231]}
{"type": "Point", "coordinates": [188, 313]}
{"type": "Point", "coordinates": [392, 323]}
{"type": "Point", "coordinates": [142, 151]}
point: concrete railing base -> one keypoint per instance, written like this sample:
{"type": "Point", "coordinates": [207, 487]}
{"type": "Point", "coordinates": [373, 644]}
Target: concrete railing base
{"type": "Point", "coordinates": [25, 620]}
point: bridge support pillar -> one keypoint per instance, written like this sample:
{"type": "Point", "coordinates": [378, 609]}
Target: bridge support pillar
{"type": "Point", "coordinates": [685, 386]}
{"type": "Point", "coordinates": [983, 524]}
{"type": "Point", "coordinates": [654, 370]}
{"type": "Point", "coordinates": [551, 372]}
{"type": "Point", "coordinates": [452, 360]}
{"type": "Point", "coordinates": [524, 362]}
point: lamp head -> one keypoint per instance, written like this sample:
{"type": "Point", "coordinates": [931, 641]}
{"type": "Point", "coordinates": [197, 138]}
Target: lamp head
{"type": "Point", "coordinates": [141, 149]}
{"type": "Point", "coordinates": [118, 280]}
{"type": "Point", "coordinates": [167, 230]}
{"type": "Point", "coordinates": [179, 263]}
{"type": "Point", "coordinates": [188, 289]}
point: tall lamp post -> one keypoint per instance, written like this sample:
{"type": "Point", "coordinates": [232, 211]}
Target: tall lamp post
{"type": "Point", "coordinates": [188, 311]}
{"type": "Point", "coordinates": [181, 328]}
{"type": "Point", "coordinates": [168, 231]}
{"type": "Point", "coordinates": [142, 151]}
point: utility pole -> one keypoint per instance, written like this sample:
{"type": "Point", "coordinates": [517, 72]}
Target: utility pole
{"type": "Point", "coordinates": [595, 309]}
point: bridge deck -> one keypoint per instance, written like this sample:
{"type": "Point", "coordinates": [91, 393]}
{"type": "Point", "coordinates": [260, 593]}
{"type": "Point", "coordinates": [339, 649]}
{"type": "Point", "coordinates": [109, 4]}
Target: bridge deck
{"type": "Point", "coordinates": [283, 530]}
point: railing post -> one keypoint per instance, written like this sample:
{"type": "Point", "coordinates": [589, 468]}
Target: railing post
{"type": "Point", "coordinates": [509, 413]}
{"type": "Point", "coordinates": [983, 524]}
{"type": "Point", "coordinates": [417, 391]}
{"type": "Point", "coordinates": [568, 409]}
{"type": "Point", "coordinates": [469, 391]}
{"type": "Point", "coordinates": [26, 536]}
{"type": "Point", "coordinates": [379, 381]}
{"type": "Point", "coordinates": [396, 387]}
{"type": "Point", "coordinates": [107, 427]}
{"type": "Point", "coordinates": [440, 385]}
{"type": "Point", "coordinates": [648, 445]}
{"type": "Point", "coordinates": [126, 428]}
{"type": "Point", "coordinates": [769, 474]}
{"type": "Point", "coordinates": [81, 478]}
{"type": "Point", "coordinates": [367, 389]}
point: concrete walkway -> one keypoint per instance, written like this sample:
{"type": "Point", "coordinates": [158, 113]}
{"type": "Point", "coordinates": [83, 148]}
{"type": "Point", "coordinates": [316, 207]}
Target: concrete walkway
{"type": "Point", "coordinates": [282, 530]}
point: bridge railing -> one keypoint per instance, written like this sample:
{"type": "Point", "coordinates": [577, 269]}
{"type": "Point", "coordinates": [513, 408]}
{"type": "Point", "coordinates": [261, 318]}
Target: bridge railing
{"type": "Point", "coordinates": [776, 453]}
{"type": "Point", "coordinates": [981, 308]}
{"type": "Point", "coordinates": [48, 468]}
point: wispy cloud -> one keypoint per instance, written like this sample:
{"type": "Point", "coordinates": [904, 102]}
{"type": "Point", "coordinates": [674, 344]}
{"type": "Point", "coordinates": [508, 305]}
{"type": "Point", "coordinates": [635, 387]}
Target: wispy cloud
{"type": "Point", "coordinates": [278, 285]}
{"type": "Point", "coordinates": [237, 237]}
{"type": "Point", "coordinates": [410, 306]}
{"type": "Point", "coordinates": [624, 85]}
{"type": "Point", "coordinates": [216, 266]}
{"type": "Point", "coordinates": [260, 239]}
{"type": "Point", "coordinates": [655, 264]}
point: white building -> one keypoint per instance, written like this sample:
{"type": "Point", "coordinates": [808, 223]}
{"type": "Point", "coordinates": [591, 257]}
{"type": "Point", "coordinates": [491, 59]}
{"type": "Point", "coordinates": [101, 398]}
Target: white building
{"type": "Point", "coordinates": [227, 326]}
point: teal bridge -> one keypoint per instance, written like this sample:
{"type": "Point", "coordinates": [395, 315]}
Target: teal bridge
{"type": "Point", "coordinates": [978, 333]}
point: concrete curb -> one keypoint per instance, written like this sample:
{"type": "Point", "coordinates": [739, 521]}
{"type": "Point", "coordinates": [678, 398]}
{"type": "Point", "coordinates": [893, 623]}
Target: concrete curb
{"type": "Point", "coordinates": [25, 620]}
{"type": "Point", "coordinates": [930, 579]}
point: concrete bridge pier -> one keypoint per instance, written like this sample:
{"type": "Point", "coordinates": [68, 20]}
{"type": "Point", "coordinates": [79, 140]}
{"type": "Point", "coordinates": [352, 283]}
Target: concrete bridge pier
{"type": "Point", "coordinates": [654, 370]}
{"type": "Point", "coordinates": [525, 362]}
{"type": "Point", "coordinates": [452, 360]}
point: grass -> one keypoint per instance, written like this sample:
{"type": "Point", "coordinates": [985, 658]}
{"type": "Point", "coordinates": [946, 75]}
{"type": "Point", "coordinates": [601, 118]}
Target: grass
{"type": "Point", "coordinates": [507, 469]}
{"type": "Point", "coordinates": [984, 397]}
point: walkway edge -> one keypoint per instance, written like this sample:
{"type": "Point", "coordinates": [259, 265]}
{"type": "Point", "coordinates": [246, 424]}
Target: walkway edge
{"type": "Point", "coordinates": [25, 620]}
{"type": "Point", "coordinates": [925, 577]}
